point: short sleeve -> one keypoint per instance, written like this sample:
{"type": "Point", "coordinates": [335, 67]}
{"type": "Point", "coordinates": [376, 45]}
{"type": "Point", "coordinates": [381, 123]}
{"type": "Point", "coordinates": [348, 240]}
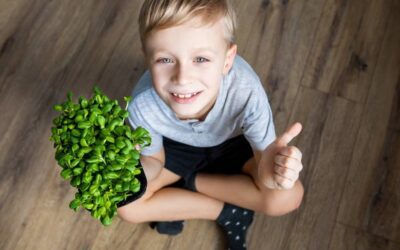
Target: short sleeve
{"type": "Point", "coordinates": [137, 119]}
{"type": "Point", "coordinates": [258, 126]}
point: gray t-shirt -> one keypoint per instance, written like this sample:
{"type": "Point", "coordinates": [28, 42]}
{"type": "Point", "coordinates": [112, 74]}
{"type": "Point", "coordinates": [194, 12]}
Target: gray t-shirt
{"type": "Point", "coordinates": [241, 108]}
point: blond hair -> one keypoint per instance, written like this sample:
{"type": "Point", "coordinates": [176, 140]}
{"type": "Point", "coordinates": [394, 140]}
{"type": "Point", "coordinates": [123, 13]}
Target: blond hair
{"type": "Point", "coordinates": [161, 14]}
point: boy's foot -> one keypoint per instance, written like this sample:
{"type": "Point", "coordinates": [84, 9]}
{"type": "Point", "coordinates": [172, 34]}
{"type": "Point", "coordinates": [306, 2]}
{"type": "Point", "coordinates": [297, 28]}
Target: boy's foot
{"type": "Point", "coordinates": [235, 221]}
{"type": "Point", "coordinates": [168, 227]}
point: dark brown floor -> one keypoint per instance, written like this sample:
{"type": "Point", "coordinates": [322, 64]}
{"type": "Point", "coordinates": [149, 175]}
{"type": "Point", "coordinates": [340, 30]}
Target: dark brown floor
{"type": "Point", "coordinates": [331, 64]}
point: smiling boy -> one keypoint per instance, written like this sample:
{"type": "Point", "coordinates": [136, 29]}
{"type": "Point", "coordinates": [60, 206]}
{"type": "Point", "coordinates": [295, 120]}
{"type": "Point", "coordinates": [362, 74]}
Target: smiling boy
{"type": "Point", "coordinates": [210, 122]}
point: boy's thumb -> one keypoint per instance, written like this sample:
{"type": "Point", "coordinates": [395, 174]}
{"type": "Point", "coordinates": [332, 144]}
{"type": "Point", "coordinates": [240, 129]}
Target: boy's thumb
{"type": "Point", "coordinates": [290, 133]}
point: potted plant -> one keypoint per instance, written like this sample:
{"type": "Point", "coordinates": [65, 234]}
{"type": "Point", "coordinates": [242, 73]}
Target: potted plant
{"type": "Point", "coordinates": [99, 154]}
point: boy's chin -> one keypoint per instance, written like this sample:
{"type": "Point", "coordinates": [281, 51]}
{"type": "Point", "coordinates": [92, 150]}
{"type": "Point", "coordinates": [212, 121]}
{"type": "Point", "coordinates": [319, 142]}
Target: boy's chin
{"type": "Point", "coordinates": [185, 115]}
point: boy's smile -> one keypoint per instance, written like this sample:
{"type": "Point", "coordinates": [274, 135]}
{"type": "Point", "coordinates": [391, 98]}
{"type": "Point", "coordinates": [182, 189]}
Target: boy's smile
{"type": "Point", "coordinates": [187, 64]}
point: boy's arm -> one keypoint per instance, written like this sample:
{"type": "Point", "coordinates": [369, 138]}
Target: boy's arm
{"type": "Point", "coordinates": [152, 164]}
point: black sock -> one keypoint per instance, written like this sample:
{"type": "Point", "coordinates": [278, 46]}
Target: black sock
{"type": "Point", "coordinates": [235, 221]}
{"type": "Point", "coordinates": [168, 227]}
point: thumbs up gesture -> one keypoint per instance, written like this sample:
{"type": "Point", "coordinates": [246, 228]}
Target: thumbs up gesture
{"type": "Point", "coordinates": [280, 164]}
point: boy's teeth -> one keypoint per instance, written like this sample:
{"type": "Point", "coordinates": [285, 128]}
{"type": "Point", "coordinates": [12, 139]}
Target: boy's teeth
{"type": "Point", "coordinates": [184, 96]}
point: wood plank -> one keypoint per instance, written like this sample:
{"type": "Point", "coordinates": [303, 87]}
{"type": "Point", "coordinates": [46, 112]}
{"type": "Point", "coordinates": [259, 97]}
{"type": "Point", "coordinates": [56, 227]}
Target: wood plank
{"type": "Point", "coordinates": [369, 175]}
{"type": "Point", "coordinates": [383, 213]}
{"type": "Point", "coordinates": [327, 152]}
{"type": "Point", "coordinates": [346, 48]}
{"type": "Point", "coordinates": [325, 183]}
{"type": "Point", "coordinates": [267, 43]}
{"type": "Point", "coordinates": [395, 117]}
{"type": "Point", "coordinates": [345, 237]}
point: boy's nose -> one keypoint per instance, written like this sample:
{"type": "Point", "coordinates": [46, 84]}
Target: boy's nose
{"type": "Point", "coordinates": [182, 74]}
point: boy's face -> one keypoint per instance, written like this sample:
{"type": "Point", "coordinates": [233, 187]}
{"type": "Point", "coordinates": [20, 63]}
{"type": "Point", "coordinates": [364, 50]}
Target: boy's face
{"type": "Point", "coordinates": [187, 64]}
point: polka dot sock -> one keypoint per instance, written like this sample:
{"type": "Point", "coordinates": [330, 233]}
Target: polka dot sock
{"type": "Point", "coordinates": [235, 221]}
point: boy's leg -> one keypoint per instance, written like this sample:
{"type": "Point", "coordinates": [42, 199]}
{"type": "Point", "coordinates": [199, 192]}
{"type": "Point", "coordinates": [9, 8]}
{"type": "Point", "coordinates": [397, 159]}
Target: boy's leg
{"type": "Point", "coordinates": [232, 176]}
{"type": "Point", "coordinates": [245, 190]}
{"type": "Point", "coordinates": [166, 204]}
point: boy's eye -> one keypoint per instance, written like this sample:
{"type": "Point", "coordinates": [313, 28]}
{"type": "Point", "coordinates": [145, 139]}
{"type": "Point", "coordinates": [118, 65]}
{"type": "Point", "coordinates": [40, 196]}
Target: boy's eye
{"type": "Point", "coordinates": [201, 59]}
{"type": "Point", "coordinates": [164, 60]}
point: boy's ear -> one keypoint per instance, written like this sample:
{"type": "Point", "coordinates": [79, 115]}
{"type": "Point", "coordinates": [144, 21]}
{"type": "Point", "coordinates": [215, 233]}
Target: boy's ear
{"type": "Point", "coordinates": [230, 57]}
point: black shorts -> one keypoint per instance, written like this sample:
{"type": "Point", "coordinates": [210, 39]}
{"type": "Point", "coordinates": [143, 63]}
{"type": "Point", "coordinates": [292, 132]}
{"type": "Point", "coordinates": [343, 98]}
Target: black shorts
{"type": "Point", "coordinates": [227, 158]}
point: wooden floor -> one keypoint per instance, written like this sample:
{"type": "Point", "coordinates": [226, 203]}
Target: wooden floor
{"type": "Point", "coordinates": [333, 65]}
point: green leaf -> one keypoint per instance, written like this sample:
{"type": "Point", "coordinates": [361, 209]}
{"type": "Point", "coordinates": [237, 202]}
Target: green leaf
{"type": "Point", "coordinates": [79, 118]}
{"type": "Point", "coordinates": [69, 96]}
{"type": "Point", "coordinates": [118, 187]}
{"type": "Point", "coordinates": [75, 162]}
{"type": "Point", "coordinates": [121, 159]}
{"type": "Point", "coordinates": [135, 187]}
{"type": "Point", "coordinates": [127, 98]}
{"type": "Point", "coordinates": [107, 108]}
{"type": "Point", "coordinates": [97, 90]}
{"type": "Point", "coordinates": [66, 174]}
{"type": "Point", "coordinates": [93, 167]}
{"type": "Point", "coordinates": [120, 143]}
{"type": "Point", "coordinates": [102, 210]}
{"type": "Point", "coordinates": [84, 124]}
{"type": "Point", "coordinates": [135, 154]}
{"type": "Point", "coordinates": [116, 110]}
{"type": "Point", "coordinates": [128, 143]}
{"type": "Point", "coordinates": [111, 175]}
{"type": "Point", "coordinates": [88, 206]}
{"type": "Point", "coordinates": [101, 120]}
{"type": "Point", "coordinates": [126, 150]}
{"type": "Point", "coordinates": [76, 132]}
{"type": "Point", "coordinates": [113, 124]}
{"type": "Point", "coordinates": [83, 102]}
{"type": "Point", "coordinates": [83, 143]}
{"type": "Point", "coordinates": [119, 130]}
{"type": "Point", "coordinates": [74, 204]}
{"type": "Point", "coordinates": [98, 179]}
{"type": "Point", "coordinates": [76, 181]}
{"type": "Point", "coordinates": [115, 167]}
{"type": "Point", "coordinates": [111, 155]}
{"type": "Point", "coordinates": [94, 159]}
{"type": "Point", "coordinates": [93, 188]}
{"type": "Point", "coordinates": [124, 114]}
{"type": "Point", "coordinates": [77, 171]}
{"type": "Point", "coordinates": [139, 132]}
{"type": "Point", "coordinates": [117, 199]}
{"type": "Point", "coordinates": [98, 99]}
{"type": "Point", "coordinates": [58, 108]}
{"type": "Point", "coordinates": [106, 221]}
{"type": "Point", "coordinates": [125, 186]}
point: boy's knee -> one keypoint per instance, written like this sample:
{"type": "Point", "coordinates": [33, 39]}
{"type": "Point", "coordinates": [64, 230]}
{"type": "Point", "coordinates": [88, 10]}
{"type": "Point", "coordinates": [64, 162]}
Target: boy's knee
{"type": "Point", "coordinates": [134, 212]}
{"type": "Point", "coordinates": [277, 204]}
{"type": "Point", "coordinates": [124, 214]}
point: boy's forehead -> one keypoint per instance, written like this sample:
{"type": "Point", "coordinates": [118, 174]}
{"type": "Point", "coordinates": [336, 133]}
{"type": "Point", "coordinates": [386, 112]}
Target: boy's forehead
{"type": "Point", "coordinates": [193, 35]}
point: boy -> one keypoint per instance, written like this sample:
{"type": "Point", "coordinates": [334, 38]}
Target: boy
{"type": "Point", "coordinates": [210, 122]}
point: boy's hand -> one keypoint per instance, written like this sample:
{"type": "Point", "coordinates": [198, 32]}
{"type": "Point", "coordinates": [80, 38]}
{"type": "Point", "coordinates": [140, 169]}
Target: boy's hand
{"type": "Point", "coordinates": [280, 164]}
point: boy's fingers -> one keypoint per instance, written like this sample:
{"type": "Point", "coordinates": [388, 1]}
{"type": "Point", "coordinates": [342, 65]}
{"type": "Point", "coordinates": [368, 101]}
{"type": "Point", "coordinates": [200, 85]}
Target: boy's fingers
{"type": "Point", "coordinates": [290, 133]}
{"type": "Point", "coordinates": [292, 152]}
{"type": "Point", "coordinates": [287, 173]}
{"type": "Point", "coordinates": [283, 183]}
